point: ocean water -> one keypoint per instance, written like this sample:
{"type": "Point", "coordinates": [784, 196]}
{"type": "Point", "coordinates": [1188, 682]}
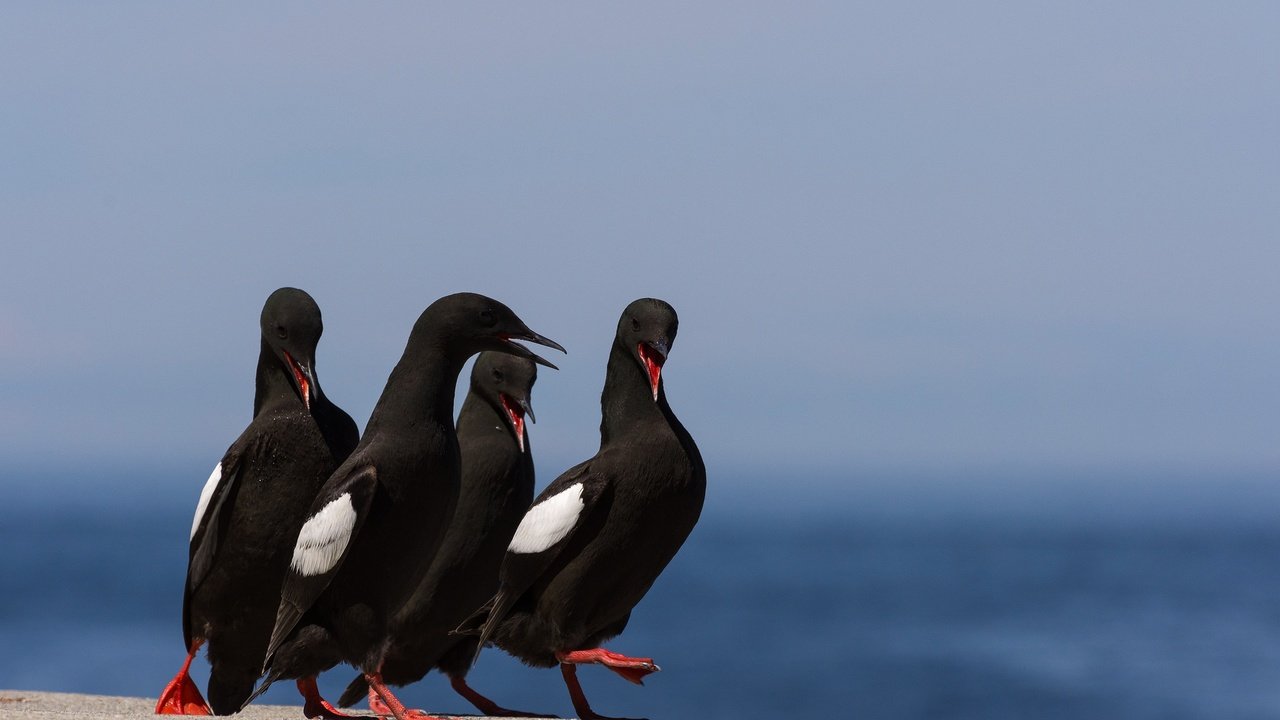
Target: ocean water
{"type": "Point", "coordinates": [765, 613]}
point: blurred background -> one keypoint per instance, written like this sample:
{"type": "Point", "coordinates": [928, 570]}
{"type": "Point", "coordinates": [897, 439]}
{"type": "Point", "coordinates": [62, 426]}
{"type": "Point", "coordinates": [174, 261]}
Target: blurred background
{"type": "Point", "coordinates": [979, 331]}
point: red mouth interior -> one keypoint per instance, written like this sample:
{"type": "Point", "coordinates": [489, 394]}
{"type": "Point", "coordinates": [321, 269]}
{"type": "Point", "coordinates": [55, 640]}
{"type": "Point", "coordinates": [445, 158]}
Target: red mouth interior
{"type": "Point", "coordinates": [653, 365]}
{"type": "Point", "coordinates": [516, 413]}
{"type": "Point", "coordinates": [302, 381]}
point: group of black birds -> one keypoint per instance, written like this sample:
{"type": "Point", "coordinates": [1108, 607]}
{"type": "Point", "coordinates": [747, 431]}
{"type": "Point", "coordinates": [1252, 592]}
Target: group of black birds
{"type": "Point", "coordinates": [418, 544]}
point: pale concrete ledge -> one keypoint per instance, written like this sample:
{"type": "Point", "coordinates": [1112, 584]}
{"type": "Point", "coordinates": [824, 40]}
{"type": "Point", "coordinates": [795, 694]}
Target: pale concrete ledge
{"type": "Point", "coordinates": [42, 705]}
{"type": "Point", "coordinates": [24, 705]}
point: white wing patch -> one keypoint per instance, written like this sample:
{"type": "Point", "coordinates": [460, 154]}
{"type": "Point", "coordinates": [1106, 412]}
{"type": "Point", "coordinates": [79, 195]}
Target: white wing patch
{"type": "Point", "coordinates": [324, 537]}
{"type": "Point", "coordinates": [548, 522]}
{"type": "Point", "coordinates": [203, 503]}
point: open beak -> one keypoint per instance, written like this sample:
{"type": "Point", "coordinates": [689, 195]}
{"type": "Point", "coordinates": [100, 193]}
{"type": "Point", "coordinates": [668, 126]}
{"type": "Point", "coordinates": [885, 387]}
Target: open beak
{"type": "Point", "coordinates": [516, 411]}
{"type": "Point", "coordinates": [304, 378]}
{"type": "Point", "coordinates": [653, 355]}
{"type": "Point", "coordinates": [521, 351]}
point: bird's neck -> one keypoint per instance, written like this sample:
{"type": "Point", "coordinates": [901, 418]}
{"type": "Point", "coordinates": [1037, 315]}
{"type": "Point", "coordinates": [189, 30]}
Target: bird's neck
{"type": "Point", "coordinates": [479, 414]}
{"type": "Point", "coordinates": [627, 399]}
{"type": "Point", "coordinates": [420, 388]}
{"type": "Point", "coordinates": [273, 387]}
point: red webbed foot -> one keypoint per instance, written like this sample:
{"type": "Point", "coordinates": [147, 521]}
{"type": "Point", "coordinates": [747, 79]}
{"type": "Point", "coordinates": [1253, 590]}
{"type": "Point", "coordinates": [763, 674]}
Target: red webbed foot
{"type": "Point", "coordinates": [181, 696]}
{"type": "Point", "coordinates": [315, 706]}
{"type": "Point", "coordinates": [630, 668]}
{"type": "Point", "coordinates": [383, 702]}
{"type": "Point", "coordinates": [376, 706]}
{"type": "Point", "coordinates": [380, 708]}
{"type": "Point", "coordinates": [484, 704]}
{"type": "Point", "coordinates": [580, 704]}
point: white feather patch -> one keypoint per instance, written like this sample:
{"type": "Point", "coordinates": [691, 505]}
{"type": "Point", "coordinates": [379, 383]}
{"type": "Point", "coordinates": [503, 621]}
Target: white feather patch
{"type": "Point", "coordinates": [203, 503]}
{"type": "Point", "coordinates": [548, 522]}
{"type": "Point", "coordinates": [324, 537]}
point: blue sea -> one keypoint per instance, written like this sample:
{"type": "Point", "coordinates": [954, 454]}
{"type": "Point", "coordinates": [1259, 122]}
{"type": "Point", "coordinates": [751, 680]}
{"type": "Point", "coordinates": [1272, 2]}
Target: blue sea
{"type": "Point", "coordinates": [834, 609]}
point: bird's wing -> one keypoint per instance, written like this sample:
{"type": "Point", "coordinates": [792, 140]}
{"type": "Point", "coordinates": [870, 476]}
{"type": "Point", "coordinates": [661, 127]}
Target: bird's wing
{"type": "Point", "coordinates": [336, 517]}
{"type": "Point", "coordinates": [565, 515]}
{"type": "Point", "coordinates": [206, 530]}
{"type": "Point", "coordinates": [554, 519]}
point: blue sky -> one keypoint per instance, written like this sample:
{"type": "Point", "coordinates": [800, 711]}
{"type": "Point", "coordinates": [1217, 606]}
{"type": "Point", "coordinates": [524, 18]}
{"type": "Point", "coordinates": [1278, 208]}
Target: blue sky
{"type": "Point", "coordinates": [901, 238]}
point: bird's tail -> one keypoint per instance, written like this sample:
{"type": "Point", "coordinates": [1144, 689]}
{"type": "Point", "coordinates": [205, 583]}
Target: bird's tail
{"type": "Point", "coordinates": [357, 690]}
{"type": "Point", "coordinates": [485, 621]}
{"type": "Point", "coordinates": [475, 621]}
{"type": "Point", "coordinates": [266, 683]}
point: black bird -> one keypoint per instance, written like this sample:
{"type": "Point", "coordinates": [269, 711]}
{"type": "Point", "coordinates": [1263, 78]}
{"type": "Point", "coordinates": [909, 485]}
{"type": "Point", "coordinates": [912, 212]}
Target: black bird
{"type": "Point", "coordinates": [375, 526]}
{"type": "Point", "coordinates": [497, 488]}
{"type": "Point", "coordinates": [600, 534]}
{"type": "Point", "coordinates": [252, 508]}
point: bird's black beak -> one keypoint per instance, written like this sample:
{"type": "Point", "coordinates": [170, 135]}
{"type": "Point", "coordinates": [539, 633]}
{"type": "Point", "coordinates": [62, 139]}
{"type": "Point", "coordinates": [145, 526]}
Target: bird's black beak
{"type": "Point", "coordinates": [653, 355]}
{"type": "Point", "coordinates": [303, 378]}
{"type": "Point", "coordinates": [524, 352]}
{"type": "Point", "coordinates": [517, 409]}
{"type": "Point", "coordinates": [527, 408]}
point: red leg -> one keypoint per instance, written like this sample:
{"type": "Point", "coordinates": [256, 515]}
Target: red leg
{"type": "Point", "coordinates": [181, 696]}
{"type": "Point", "coordinates": [579, 698]}
{"type": "Point", "coordinates": [315, 706]}
{"type": "Point", "coordinates": [633, 669]}
{"type": "Point", "coordinates": [484, 704]}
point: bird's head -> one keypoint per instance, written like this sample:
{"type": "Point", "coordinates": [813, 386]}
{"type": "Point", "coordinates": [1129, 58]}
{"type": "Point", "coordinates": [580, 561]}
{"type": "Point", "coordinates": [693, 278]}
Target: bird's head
{"type": "Point", "coordinates": [291, 327]}
{"type": "Point", "coordinates": [506, 383]}
{"type": "Point", "coordinates": [468, 323]}
{"type": "Point", "coordinates": [647, 331]}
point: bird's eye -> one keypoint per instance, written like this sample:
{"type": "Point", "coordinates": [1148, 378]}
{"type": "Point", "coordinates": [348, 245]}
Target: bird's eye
{"type": "Point", "coordinates": [635, 325]}
{"type": "Point", "coordinates": [282, 332]}
{"type": "Point", "coordinates": [497, 375]}
{"type": "Point", "coordinates": [486, 316]}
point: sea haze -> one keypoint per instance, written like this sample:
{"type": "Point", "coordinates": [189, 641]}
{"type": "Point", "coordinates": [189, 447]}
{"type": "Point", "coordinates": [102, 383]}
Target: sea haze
{"type": "Point", "coordinates": [898, 598]}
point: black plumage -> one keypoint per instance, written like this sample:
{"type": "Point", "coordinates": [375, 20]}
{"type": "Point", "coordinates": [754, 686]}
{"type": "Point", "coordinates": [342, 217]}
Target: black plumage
{"type": "Point", "coordinates": [596, 538]}
{"type": "Point", "coordinates": [497, 488]}
{"type": "Point", "coordinates": [377, 522]}
{"type": "Point", "coordinates": [254, 504]}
